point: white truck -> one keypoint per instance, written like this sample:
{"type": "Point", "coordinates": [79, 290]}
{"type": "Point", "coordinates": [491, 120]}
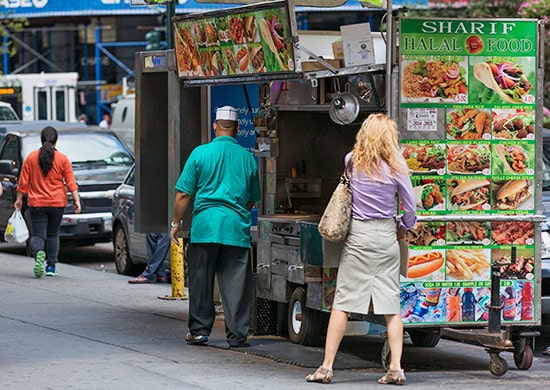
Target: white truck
{"type": "Point", "coordinates": [41, 96]}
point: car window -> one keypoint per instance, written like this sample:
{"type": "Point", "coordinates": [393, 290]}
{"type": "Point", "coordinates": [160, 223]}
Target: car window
{"type": "Point", "coordinates": [10, 151]}
{"type": "Point", "coordinates": [131, 179]}
{"type": "Point", "coordinates": [6, 114]}
{"type": "Point", "coordinates": [86, 148]}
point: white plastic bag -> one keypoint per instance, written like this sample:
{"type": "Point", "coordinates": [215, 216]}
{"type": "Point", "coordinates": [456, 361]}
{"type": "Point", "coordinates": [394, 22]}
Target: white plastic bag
{"type": "Point", "coordinates": [16, 230]}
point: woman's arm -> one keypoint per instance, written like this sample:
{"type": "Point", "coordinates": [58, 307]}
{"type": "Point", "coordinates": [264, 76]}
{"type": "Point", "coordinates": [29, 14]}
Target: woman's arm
{"type": "Point", "coordinates": [408, 200]}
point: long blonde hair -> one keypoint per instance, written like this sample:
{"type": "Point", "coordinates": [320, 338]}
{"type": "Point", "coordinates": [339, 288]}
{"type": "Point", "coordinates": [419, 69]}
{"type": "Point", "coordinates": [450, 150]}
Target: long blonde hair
{"type": "Point", "coordinates": [377, 141]}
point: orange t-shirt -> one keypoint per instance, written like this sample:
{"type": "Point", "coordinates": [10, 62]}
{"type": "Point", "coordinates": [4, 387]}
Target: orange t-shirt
{"type": "Point", "coordinates": [49, 190]}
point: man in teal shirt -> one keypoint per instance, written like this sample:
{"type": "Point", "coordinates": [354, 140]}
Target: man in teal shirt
{"type": "Point", "coordinates": [223, 178]}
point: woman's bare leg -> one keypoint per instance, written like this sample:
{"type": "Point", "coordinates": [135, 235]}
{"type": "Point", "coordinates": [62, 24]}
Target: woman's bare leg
{"type": "Point", "coordinates": [394, 327]}
{"type": "Point", "coordinates": [336, 329]}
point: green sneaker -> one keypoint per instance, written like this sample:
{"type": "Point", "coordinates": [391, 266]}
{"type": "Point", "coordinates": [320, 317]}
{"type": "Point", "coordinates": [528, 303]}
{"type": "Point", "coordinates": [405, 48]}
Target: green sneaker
{"type": "Point", "coordinates": [39, 264]}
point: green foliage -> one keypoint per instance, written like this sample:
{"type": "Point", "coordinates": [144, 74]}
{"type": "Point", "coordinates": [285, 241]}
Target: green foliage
{"type": "Point", "coordinates": [9, 26]}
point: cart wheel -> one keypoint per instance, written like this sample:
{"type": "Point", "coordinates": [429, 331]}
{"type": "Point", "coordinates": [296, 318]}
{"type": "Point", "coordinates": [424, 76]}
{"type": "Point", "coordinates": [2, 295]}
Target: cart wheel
{"type": "Point", "coordinates": [304, 324]}
{"type": "Point", "coordinates": [524, 359]}
{"type": "Point", "coordinates": [497, 365]}
{"type": "Point", "coordinates": [423, 339]}
{"type": "Point", "coordinates": [386, 354]}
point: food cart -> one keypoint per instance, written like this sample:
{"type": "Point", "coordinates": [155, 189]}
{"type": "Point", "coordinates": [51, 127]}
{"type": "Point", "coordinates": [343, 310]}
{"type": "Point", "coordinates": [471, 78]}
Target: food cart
{"type": "Point", "coordinates": [471, 145]}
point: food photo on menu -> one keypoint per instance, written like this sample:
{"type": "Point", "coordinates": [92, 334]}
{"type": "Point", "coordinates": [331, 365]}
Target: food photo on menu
{"type": "Point", "coordinates": [502, 80]}
{"type": "Point", "coordinates": [513, 194]}
{"type": "Point", "coordinates": [468, 264]}
{"type": "Point", "coordinates": [251, 32]}
{"type": "Point", "coordinates": [468, 195]}
{"type": "Point", "coordinates": [222, 24]}
{"type": "Point", "coordinates": [425, 158]}
{"type": "Point", "coordinates": [468, 233]}
{"type": "Point", "coordinates": [426, 265]}
{"type": "Point", "coordinates": [429, 193]}
{"type": "Point", "coordinates": [513, 233]}
{"type": "Point", "coordinates": [434, 79]}
{"type": "Point", "coordinates": [274, 33]}
{"type": "Point", "coordinates": [468, 124]}
{"type": "Point", "coordinates": [427, 234]}
{"type": "Point", "coordinates": [513, 159]}
{"type": "Point", "coordinates": [513, 124]}
{"type": "Point", "coordinates": [469, 159]}
{"type": "Point", "coordinates": [522, 268]}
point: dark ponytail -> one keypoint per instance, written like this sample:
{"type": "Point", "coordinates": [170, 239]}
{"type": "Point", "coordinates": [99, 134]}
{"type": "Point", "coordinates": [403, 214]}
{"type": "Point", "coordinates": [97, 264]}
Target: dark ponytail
{"type": "Point", "coordinates": [46, 155]}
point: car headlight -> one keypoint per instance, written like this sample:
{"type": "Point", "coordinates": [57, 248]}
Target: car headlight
{"type": "Point", "coordinates": [545, 245]}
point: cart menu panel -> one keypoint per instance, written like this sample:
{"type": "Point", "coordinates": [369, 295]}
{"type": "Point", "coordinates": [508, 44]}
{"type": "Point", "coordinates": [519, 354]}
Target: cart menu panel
{"type": "Point", "coordinates": [467, 124]}
{"type": "Point", "coordinates": [241, 41]}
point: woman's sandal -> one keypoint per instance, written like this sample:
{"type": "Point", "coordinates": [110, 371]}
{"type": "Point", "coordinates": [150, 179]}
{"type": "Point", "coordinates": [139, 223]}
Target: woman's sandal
{"type": "Point", "coordinates": [395, 377]}
{"type": "Point", "coordinates": [322, 374]}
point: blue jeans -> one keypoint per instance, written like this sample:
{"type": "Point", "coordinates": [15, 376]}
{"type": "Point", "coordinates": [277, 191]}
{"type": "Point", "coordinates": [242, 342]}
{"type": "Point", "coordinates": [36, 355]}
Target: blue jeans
{"type": "Point", "coordinates": [158, 245]}
{"type": "Point", "coordinates": [45, 224]}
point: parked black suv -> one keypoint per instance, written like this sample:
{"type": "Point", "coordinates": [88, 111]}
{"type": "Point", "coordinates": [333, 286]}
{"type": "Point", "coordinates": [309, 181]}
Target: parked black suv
{"type": "Point", "coordinates": [100, 162]}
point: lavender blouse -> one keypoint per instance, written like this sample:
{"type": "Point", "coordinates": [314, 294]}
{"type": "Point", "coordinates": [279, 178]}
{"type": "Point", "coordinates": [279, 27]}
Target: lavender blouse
{"type": "Point", "coordinates": [374, 198]}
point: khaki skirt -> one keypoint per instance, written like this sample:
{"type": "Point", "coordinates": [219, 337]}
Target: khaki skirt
{"type": "Point", "coordinates": [369, 269]}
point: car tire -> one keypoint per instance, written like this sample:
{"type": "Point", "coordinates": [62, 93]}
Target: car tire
{"type": "Point", "coordinates": [123, 261]}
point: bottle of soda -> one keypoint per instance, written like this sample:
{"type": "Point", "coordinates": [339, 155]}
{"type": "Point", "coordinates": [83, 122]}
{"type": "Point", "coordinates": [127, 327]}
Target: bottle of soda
{"type": "Point", "coordinates": [510, 305]}
{"type": "Point", "coordinates": [468, 305]}
{"type": "Point", "coordinates": [453, 305]}
{"type": "Point", "coordinates": [527, 301]}
{"type": "Point", "coordinates": [432, 296]}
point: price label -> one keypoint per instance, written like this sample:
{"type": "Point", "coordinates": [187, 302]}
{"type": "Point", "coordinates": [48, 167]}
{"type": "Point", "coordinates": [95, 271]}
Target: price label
{"type": "Point", "coordinates": [422, 119]}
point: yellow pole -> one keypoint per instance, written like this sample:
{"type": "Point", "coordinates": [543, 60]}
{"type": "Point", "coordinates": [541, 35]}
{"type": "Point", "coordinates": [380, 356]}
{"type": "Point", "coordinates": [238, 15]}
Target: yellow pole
{"type": "Point", "coordinates": [177, 273]}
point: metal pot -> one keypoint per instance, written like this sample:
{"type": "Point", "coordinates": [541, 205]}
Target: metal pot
{"type": "Point", "coordinates": [344, 108]}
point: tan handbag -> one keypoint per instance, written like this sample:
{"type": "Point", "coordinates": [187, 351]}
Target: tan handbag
{"type": "Point", "coordinates": [334, 224]}
{"type": "Point", "coordinates": [403, 250]}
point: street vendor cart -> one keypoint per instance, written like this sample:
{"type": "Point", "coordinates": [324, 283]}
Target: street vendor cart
{"type": "Point", "coordinates": [466, 95]}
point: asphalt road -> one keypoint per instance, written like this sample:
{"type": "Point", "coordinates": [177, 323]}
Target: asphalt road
{"type": "Point", "coordinates": [99, 257]}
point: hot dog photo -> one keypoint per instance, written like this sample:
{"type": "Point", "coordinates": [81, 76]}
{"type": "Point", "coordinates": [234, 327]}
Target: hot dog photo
{"type": "Point", "coordinates": [426, 265]}
{"type": "Point", "coordinates": [513, 159]}
{"type": "Point", "coordinates": [243, 58]}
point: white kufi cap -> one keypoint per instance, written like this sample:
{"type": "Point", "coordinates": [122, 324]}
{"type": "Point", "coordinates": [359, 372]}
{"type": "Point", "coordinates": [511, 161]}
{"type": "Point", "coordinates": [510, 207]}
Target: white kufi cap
{"type": "Point", "coordinates": [227, 113]}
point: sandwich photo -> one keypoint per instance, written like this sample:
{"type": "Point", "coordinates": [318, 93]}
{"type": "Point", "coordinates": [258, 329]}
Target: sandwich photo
{"type": "Point", "coordinates": [223, 29]}
{"type": "Point", "coordinates": [468, 159]}
{"type": "Point", "coordinates": [429, 197]}
{"type": "Point", "coordinates": [273, 34]}
{"type": "Point", "coordinates": [230, 60]}
{"type": "Point", "coordinates": [505, 78]}
{"type": "Point", "coordinates": [511, 159]}
{"type": "Point", "coordinates": [424, 158]}
{"type": "Point", "coordinates": [424, 264]}
{"type": "Point", "coordinates": [513, 124]}
{"type": "Point", "coordinates": [218, 67]}
{"type": "Point", "coordinates": [469, 194]}
{"type": "Point", "coordinates": [512, 194]}
{"type": "Point", "coordinates": [258, 61]}
{"type": "Point", "coordinates": [243, 59]}
{"type": "Point", "coordinates": [468, 124]}
{"type": "Point", "coordinates": [250, 29]}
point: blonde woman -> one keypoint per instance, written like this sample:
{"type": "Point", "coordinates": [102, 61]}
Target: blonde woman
{"type": "Point", "coordinates": [368, 275]}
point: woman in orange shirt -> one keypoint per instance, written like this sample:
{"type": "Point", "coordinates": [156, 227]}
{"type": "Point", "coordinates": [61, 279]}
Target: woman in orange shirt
{"type": "Point", "coordinates": [45, 177]}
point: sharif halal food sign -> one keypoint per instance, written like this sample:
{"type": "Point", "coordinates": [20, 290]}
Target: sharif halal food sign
{"type": "Point", "coordinates": [237, 42]}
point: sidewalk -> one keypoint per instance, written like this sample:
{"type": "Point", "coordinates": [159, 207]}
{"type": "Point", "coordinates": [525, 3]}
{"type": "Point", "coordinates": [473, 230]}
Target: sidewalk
{"type": "Point", "coordinates": [92, 330]}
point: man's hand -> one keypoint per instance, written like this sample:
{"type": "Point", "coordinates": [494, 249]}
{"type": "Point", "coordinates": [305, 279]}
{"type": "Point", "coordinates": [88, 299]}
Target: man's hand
{"type": "Point", "coordinates": [175, 233]}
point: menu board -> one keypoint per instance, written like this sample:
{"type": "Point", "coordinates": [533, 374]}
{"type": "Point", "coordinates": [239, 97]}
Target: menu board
{"type": "Point", "coordinates": [235, 42]}
{"type": "Point", "coordinates": [467, 125]}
